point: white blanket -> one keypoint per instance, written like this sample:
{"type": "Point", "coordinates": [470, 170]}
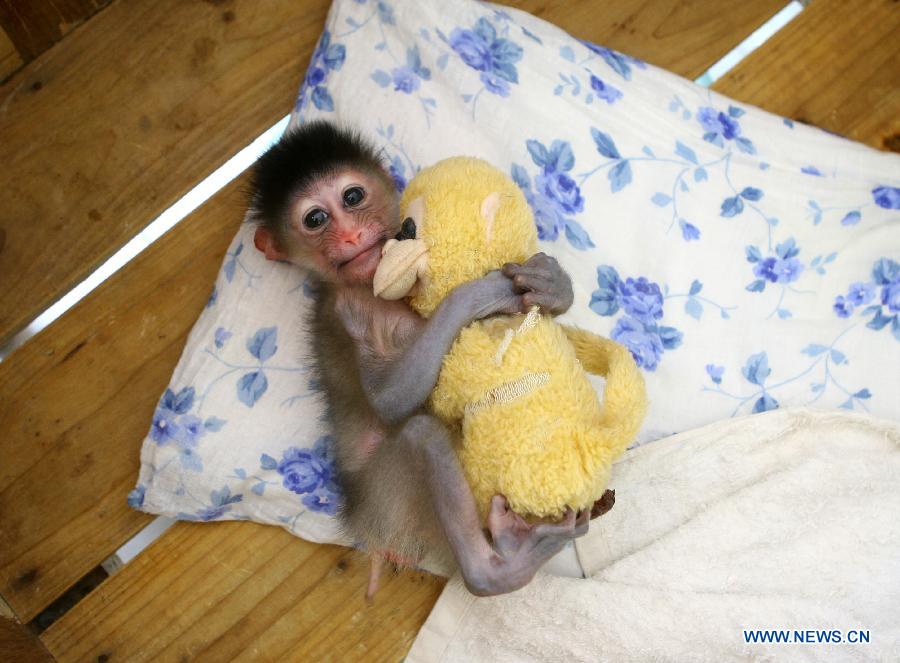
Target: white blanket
{"type": "Point", "coordinates": [785, 521]}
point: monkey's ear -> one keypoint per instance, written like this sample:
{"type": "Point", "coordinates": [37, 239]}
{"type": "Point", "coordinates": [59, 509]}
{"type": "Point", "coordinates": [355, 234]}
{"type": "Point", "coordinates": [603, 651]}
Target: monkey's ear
{"type": "Point", "coordinates": [265, 242]}
{"type": "Point", "coordinates": [489, 207]}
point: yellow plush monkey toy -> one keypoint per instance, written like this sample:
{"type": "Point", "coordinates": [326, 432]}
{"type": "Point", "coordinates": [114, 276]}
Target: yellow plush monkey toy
{"type": "Point", "coordinates": [513, 387]}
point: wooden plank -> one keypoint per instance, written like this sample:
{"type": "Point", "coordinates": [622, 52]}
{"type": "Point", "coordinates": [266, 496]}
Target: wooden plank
{"type": "Point", "coordinates": [76, 401]}
{"type": "Point", "coordinates": [10, 60]}
{"type": "Point", "coordinates": [35, 25]}
{"type": "Point", "coordinates": [121, 118]}
{"type": "Point", "coordinates": [837, 66]}
{"type": "Point", "coordinates": [18, 644]}
{"type": "Point", "coordinates": [684, 37]}
{"type": "Point", "coordinates": [5, 611]}
{"type": "Point", "coordinates": [227, 591]}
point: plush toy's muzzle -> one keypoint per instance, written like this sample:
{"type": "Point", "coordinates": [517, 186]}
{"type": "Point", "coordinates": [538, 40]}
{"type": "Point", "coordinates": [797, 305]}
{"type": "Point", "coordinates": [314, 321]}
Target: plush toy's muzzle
{"type": "Point", "coordinates": [402, 263]}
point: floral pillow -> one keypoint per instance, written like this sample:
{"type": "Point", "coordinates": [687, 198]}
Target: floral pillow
{"type": "Point", "coordinates": [747, 262]}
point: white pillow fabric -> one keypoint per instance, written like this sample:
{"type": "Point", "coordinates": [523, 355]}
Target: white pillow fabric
{"type": "Point", "coordinates": [748, 263]}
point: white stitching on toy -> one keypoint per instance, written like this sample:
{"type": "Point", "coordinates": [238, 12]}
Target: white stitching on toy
{"type": "Point", "coordinates": [504, 346]}
{"type": "Point", "coordinates": [528, 323]}
{"type": "Point", "coordinates": [530, 320]}
{"type": "Point", "coordinates": [509, 391]}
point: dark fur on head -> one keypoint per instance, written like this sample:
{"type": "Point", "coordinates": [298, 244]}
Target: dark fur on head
{"type": "Point", "coordinates": [300, 158]}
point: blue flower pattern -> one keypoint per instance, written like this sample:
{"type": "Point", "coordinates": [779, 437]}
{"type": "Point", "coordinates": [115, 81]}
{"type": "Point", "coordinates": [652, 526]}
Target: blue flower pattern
{"type": "Point", "coordinates": [642, 303]}
{"type": "Point", "coordinates": [495, 57]}
{"type": "Point", "coordinates": [782, 268]}
{"type": "Point", "coordinates": [655, 201]}
{"type": "Point", "coordinates": [174, 424]}
{"type": "Point", "coordinates": [721, 126]}
{"type": "Point", "coordinates": [882, 293]}
{"type": "Point", "coordinates": [309, 473]}
{"type": "Point", "coordinates": [554, 196]}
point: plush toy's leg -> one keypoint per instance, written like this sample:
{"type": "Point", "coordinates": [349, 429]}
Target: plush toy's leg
{"type": "Point", "coordinates": [604, 504]}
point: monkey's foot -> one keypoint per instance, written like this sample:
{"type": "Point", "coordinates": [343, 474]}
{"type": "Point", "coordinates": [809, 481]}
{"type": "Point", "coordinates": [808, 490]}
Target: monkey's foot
{"type": "Point", "coordinates": [376, 564]}
{"type": "Point", "coordinates": [377, 560]}
{"type": "Point", "coordinates": [518, 548]}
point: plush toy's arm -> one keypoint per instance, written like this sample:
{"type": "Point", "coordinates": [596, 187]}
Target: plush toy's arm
{"type": "Point", "coordinates": [399, 387]}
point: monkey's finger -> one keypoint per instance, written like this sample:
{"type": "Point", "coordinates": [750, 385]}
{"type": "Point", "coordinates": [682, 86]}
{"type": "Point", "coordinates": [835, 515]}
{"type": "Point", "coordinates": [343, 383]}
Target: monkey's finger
{"type": "Point", "coordinates": [510, 269]}
{"type": "Point", "coordinates": [498, 514]}
{"type": "Point", "coordinates": [499, 505]}
{"type": "Point", "coordinates": [513, 305]}
{"type": "Point", "coordinates": [541, 259]}
{"type": "Point", "coordinates": [529, 272]}
{"type": "Point", "coordinates": [547, 301]}
{"type": "Point", "coordinates": [582, 522]}
{"type": "Point", "coordinates": [565, 527]}
{"type": "Point", "coordinates": [539, 281]}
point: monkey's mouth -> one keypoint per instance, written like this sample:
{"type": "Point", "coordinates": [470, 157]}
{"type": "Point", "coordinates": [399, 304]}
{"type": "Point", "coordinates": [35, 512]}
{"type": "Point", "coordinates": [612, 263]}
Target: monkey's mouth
{"type": "Point", "coordinates": [363, 256]}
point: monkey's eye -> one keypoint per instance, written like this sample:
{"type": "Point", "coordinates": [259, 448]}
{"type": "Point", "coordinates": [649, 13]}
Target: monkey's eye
{"type": "Point", "coordinates": [315, 219]}
{"type": "Point", "coordinates": [354, 196]}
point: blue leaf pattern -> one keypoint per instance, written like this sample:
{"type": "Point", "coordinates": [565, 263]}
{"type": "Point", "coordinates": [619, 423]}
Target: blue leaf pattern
{"type": "Point", "coordinates": [328, 57]}
{"type": "Point", "coordinates": [251, 387]}
{"type": "Point", "coordinates": [262, 344]}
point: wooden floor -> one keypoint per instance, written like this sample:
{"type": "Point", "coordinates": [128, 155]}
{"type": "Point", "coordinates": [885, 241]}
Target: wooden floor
{"type": "Point", "coordinates": [113, 109]}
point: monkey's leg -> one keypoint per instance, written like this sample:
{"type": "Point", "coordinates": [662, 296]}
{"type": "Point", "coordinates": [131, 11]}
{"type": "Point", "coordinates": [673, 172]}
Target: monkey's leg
{"type": "Point", "coordinates": [516, 550]}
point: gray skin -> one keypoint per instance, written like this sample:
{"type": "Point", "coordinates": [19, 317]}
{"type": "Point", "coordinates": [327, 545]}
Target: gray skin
{"type": "Point", "coordinates": [378, 361]}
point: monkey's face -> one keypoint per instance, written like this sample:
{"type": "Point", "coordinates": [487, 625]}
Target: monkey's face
{"type": "Point", "coordinates": [339, 226]}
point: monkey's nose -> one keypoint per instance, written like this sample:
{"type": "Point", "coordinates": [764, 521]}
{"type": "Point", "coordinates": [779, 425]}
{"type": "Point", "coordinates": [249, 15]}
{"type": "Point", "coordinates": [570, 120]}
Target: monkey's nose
{"type": "Point", "coordinates": [407, 230]}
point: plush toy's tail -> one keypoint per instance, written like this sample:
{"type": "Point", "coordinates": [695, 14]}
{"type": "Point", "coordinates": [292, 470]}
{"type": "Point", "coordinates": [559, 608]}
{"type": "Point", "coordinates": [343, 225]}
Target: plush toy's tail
{"type": "Point", "coordinates": [625, 397]}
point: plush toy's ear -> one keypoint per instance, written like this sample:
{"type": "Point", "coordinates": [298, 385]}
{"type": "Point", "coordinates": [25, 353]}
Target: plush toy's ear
{"type": "Point", "coordinates": [489, 207]}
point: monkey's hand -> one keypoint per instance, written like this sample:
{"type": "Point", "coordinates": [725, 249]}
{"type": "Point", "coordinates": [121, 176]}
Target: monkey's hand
{"type": "Point", "coordinates": [520, 549]}
{"type": "Point", "coordinates": [492, 293]}
{"type": "Point", "coordinates": [542, 282]}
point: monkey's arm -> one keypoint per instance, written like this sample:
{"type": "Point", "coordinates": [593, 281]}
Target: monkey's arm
{"type": "Point", "coordinates": [396, 387]}
{"type": "Point", "coordinates": [543, 282]}
{"type": "Point", "coordinates": [516, 550]}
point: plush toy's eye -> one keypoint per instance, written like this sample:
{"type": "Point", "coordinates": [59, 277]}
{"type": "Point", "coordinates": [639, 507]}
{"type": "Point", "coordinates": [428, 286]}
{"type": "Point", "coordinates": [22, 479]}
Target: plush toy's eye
{"type": "Point", "coordinates": [315, 219]}
{"type": "Point", "coordinates": [407, 230]}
